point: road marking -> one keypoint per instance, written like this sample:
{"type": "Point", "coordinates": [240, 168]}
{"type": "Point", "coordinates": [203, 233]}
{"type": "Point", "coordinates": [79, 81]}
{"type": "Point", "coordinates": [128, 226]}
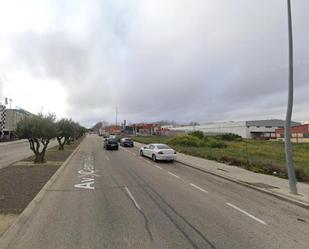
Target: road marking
{"type": "Point", "coordinates": [195, 186]}
{"type": "Point", "coordinates": [87, 174]}
{"type": "Point", "coordinates": [107, 158]}
{"type": "Point", "coordinates": [132, 198]}
{"type": "Point", "coordinates": [157, 166]}
{"type": "Point", "coordinates": [246, 213]}
{"type": "Point", "coordinates": [173, 174]}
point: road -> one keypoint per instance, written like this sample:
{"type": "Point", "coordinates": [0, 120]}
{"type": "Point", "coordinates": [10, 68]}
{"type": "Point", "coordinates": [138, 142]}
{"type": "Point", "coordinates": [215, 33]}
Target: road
{"type": "Point", "coordinates": [117, 199]}
{"type": "Point", "coordinates": [14, 151]}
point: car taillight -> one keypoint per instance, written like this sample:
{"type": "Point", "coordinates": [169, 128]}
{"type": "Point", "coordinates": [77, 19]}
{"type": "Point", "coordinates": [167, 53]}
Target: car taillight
{"type": "Point", "coordinates": [160, 152]}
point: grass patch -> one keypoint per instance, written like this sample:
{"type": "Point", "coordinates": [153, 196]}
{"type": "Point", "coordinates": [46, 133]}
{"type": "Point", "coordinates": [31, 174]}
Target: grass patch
{"type": "Point", "coordinates": [266, 157]}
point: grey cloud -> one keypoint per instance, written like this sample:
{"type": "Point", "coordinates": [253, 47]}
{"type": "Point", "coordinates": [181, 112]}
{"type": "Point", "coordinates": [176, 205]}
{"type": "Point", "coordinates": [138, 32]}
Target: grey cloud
{"type": "Point", "coordinates": [204, 61]}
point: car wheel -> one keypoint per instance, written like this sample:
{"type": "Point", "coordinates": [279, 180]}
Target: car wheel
{"type": "Point", "coordinates": [141, 153]}
{"type": "Point", "coordinates": [154, 158]}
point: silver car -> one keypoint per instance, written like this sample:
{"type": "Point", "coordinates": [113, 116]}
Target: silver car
{"type": "Point", "coordinates": [158, 152]}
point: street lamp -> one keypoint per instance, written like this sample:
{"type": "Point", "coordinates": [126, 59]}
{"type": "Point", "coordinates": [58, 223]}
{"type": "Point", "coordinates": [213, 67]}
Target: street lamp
{"type": "Point", "coordinates": [287, 130]}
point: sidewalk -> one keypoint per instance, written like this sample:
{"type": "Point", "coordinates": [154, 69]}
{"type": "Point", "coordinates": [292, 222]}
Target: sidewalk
{"type": "Point", "coordinates": [272, 185]}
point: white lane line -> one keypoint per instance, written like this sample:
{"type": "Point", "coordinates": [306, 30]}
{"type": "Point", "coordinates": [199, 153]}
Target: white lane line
{"type": "Point", "coordinates": [246, 213]}
{"type": "Point", "coordinates": [107, 158]}
{"type": "Point", "coordinates": [173, 174]}
{"type": "Point", "coordinates": [199, 188]}
{"type": "Point", "coordinates": [132, 198]}
{"type": "Point", "coordinates": [157, 166]}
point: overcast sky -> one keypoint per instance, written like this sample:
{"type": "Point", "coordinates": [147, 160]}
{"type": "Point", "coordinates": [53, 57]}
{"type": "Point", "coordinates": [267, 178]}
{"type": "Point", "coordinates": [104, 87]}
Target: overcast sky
{"type": "Point", "coordinates": [197, 60]}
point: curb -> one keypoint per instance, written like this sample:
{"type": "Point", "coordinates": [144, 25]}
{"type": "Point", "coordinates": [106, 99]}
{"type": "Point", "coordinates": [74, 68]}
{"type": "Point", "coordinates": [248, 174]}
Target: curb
{"type": "Point", "coordinates": [11, 233]}
{"type": "Point", "coordinates": [231, 179]}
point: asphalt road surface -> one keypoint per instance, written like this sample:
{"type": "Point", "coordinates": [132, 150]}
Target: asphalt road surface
{"type": "Point", "coordinates": [11, 152]}
{"type": "Point", "coordinates": [117, 199]}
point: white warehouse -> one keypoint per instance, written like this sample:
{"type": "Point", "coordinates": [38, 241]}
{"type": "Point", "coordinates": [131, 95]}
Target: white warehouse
{"type": "Point", "coordinates": [263, 129]}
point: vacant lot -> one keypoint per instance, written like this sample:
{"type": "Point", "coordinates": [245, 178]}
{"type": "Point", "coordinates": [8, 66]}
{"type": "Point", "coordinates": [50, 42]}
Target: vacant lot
{"type": "Point", "coordinates": [266, 157]}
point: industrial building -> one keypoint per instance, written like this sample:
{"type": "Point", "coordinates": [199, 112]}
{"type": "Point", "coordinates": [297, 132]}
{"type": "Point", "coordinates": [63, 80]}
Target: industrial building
{"type": "Point", "coordinates": [257, 129]}
{"type": "Point", "coordinates": [299, 133]}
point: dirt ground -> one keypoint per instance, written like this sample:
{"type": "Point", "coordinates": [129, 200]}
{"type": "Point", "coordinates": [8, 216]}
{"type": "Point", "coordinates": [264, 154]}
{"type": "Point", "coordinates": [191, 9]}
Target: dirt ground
{"type": "Point", "coordinates": [21, 182]}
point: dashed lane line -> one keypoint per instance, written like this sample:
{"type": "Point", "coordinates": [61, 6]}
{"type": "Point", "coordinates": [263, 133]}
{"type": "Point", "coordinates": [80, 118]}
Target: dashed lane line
{"type": "Point", "coordinates": [157, 166]}
{"type": "Point", "coordinates": [246, 213]}
{"type": "Point", "coordinates": [172, 174]}
{"type": "Point", "coordinates": [107, 158]}
{"type": "Point", "coordinates": [199, 188]}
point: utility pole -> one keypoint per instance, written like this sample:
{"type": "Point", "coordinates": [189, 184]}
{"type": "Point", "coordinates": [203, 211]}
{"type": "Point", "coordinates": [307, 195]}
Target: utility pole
{"type": "Point", "coordinates": [287, 130]}
{"type": "Point", "coordinates": [116, 114]}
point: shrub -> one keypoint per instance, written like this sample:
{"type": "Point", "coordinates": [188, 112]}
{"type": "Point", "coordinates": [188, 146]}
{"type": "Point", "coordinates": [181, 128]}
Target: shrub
{"type": "Point", "coordinates": [229, 137]}
{"type": "Point", "coordinates": [185, 140]}
{"type": "Point", "coordinates": [215, 144]}
{"type": "Point", "coordinates": [198, 134]}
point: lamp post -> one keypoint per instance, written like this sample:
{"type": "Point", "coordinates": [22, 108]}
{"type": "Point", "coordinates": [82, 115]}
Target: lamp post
{"type": "Point", "coordinates": [287, 130]}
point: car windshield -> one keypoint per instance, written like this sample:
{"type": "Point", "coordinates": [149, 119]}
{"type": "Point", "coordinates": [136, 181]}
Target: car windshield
{"type": "Point", "coordinates": [163, 146]}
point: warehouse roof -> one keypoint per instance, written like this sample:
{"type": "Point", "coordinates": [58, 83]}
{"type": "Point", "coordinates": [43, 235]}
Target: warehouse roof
{"type": "Point", "coordinates": [269, 122]}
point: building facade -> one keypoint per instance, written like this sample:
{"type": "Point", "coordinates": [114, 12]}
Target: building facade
{"type": "Point", "coordinates": [12, 117]}
{"type": "Point", "coordinates": [299, 134]}
{"type": "Point", "coordinates": [2, 119]}
{"type": "Point", "coordinates": [257, 129]}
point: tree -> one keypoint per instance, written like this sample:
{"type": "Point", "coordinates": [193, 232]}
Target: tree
{"type": "Point", "coordinates": [78, 131]}
{"type": "Point", "coordinates": [65, 130]}
{"type": "Point", "coordinates": [39, 130]}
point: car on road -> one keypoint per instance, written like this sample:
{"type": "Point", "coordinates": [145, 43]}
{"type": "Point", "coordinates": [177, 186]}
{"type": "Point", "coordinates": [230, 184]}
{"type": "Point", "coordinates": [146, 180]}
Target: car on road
{"type": "Point", "coordinates": [112, 136]}
{"type": "Point", "coordinates": [158, 152]}
{"type": "Point", "coordinates": [111, 144]}
{"type": "Point", "coordinates": [126, 142]}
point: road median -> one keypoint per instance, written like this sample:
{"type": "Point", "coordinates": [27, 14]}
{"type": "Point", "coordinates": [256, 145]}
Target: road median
{"type": "Point", "coordinates": [32, 181]}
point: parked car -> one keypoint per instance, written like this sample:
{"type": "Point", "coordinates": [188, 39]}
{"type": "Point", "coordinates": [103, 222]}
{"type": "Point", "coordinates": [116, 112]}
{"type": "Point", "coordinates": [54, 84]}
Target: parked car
{"type": "Point", "coordinates": [158, 152]}
{"type": "Point", "coordinates": [111, 143]}
{"type": "Point", "coordinates": [126, 142]}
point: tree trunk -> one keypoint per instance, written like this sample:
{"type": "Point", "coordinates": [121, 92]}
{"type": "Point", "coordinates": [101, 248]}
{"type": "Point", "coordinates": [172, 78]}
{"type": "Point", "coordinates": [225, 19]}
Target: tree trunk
{"type": "Point", "coordinates": [69, 141]}
{"type": "Point", "coordinates": [40, 157]}
{"type": "Point", "coordinates": [61, 145]}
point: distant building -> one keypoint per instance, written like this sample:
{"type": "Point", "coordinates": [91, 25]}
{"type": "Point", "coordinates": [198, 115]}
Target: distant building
{"type": "Point", "coordinates": [299, 133]}
{"type": "Point", "coordinates": [146, 129]}
{"type": "Point", "coordinates": [112, 130]}
{"type": "Point", "coordinates": [2, 119]}
{"type": "Point", "coordinates": [257, 129]}
{"type": "Point", "coordinates": [12, 117]}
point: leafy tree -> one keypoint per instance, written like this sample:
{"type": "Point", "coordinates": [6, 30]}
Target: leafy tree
{"type": "Point", "coordinates": [78, 131]}
{"type": "Point", "coordinates": [39, 130]}
{"type": "Point", "coordinates": [65, 130]}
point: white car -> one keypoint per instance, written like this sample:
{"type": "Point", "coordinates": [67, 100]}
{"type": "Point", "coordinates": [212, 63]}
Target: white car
{"type": "Point", "coordinates": [158, 152]}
